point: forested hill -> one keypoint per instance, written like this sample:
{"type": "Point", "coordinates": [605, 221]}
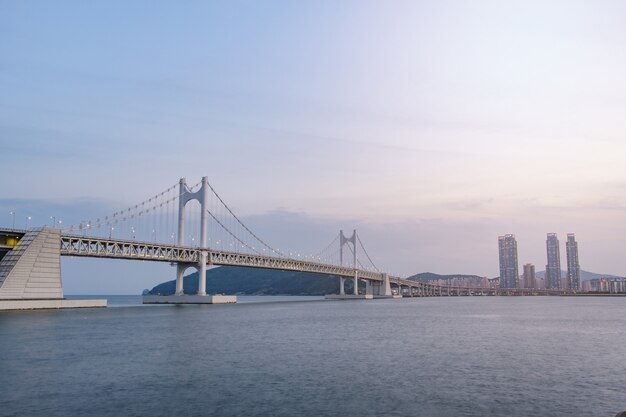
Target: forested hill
{"type": "Point", "coordinates": [240, 280]}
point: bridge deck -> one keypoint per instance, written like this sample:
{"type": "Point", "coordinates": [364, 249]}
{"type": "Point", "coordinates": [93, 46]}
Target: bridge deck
{"type": "Point", "coordinates": [85, 246]}
{"type": "Point", "coordinates": [72, 245]}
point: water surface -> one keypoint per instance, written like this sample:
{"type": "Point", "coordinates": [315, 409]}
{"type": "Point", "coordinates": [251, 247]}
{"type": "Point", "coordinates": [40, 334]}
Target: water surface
{"type": "Point", "coordinates": [449, 356]}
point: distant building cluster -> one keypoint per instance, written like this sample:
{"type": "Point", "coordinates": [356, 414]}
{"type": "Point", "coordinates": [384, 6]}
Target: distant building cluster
{"type": "Point", "coordinates": [463, 282]}
{"type": "Point", "coordinates": [509, 266]}
{"type": "Point", "coordinates": [606, 285]}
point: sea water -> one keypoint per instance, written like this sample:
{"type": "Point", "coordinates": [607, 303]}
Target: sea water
{"type": "Point", "coordinates": [279, 356]}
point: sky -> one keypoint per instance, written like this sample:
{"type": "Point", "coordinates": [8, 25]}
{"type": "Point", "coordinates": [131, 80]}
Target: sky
{"type": "Point", "coordinates": [432, 127]}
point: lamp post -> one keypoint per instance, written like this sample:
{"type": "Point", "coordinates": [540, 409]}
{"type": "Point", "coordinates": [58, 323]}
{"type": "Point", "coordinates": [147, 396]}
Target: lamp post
{"type": "Point", "coordinates": [28, 219]}
{"type": "Point", "coordinates": [12, 213]}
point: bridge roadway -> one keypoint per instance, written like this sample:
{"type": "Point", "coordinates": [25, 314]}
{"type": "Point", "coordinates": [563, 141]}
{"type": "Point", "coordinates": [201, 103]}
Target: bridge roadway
{"type": "Point", "coordinates": [96, 247]}
{"type": "Point", "coordinates": [74, 245]}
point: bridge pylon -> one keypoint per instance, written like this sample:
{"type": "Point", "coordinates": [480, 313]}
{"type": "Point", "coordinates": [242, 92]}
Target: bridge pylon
{"type": "Point", "coordinates": [185, 196]}
{"type": "Point", "coordinates": [343, 240]}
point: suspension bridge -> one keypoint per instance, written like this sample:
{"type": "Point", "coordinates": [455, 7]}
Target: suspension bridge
{"type": "Point", "coordinates": [190, 227]}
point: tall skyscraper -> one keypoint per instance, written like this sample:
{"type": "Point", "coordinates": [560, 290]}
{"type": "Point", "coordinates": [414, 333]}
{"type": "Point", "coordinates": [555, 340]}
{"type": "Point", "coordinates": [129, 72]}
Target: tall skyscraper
{"type": "Point", "coordinates": [529, 276]}
{"type": "Point", "coordinates": [509, 270]}
{"type": "Point", "coordinates": [553, 268]}
{"type": "Point", "coordinates": [573, 267]}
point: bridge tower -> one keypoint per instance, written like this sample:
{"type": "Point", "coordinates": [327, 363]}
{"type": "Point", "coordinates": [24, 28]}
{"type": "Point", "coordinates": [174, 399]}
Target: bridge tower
{"type": "Point", "coordinates": [185, 196]}
{"type": "Point", "coordinates": [343, 240]}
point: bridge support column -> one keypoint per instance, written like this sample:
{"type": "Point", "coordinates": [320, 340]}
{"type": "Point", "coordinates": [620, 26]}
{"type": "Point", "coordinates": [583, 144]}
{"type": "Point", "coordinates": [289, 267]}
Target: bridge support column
{"type": "Point", "coordinates": [180, 270]}
{"type": "Point", "coordinates": [356, 283]}
{"type": "Point", "coordinates": [202, 273]}
{"type": "Point", "coordinates": [342, 288]}
{"type": "Point", "coordinates": [368, 287]}
{"type": "Point", "coordinates": [385, 287]}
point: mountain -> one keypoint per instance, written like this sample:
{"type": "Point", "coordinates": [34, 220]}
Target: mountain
{"type": "Point", "coordinates": [584, 275]}
{"type": "Point", "coordinates": [256, 281]}
{"type": "Point", "coordinates": [430, 276]}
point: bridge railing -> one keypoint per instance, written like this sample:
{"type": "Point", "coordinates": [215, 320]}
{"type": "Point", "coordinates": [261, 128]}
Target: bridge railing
{"type": "Point", "coordinates": [76, 245]}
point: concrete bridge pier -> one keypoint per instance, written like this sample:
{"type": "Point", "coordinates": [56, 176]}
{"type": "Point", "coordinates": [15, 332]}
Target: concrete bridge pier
{"type": "Point", "coordinates": [202, 273]}
{"type": "Point", "coordinates": [368, 287]}
{"type": "Point", "coordinates": [384, 288]}
{"type": "Point", "coordinates": [342, 288]}
{"type": "Point", "coordinates": [30, 272]}
{"type": "Point", "coordinates": [404, 290]}
{"type": "Point", "coordinates": [180, 273]}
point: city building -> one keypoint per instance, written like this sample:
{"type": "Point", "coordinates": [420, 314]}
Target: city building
{"type": "Point", "coordinates": [553, 268]}
{"type": "Point", "coordinates": [573, 267]}
{"type": "Point", "coordinates": [612, 285]}
{"type": "Point", "coordinates": [464, 281]}
{"type": "Point", "coordinates": [509, 269]}
{"type": "Point", "coordinates": [541, 283]}
{"type": "Point", "coordinates": [530, 281]}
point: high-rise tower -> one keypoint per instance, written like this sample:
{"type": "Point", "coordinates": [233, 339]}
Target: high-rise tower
{"type": "Point", "coordinates": [553, 268]}
{"type": "Point", "coordinates": [529, 276]}
{"type": "Point", "coordinates": [509, 270]}
{"type": "Point", "coordinates": [573, 267]}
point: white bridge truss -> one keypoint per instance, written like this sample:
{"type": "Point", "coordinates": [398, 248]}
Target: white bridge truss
{"type": "Point", "coordinates": [72, 245]}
